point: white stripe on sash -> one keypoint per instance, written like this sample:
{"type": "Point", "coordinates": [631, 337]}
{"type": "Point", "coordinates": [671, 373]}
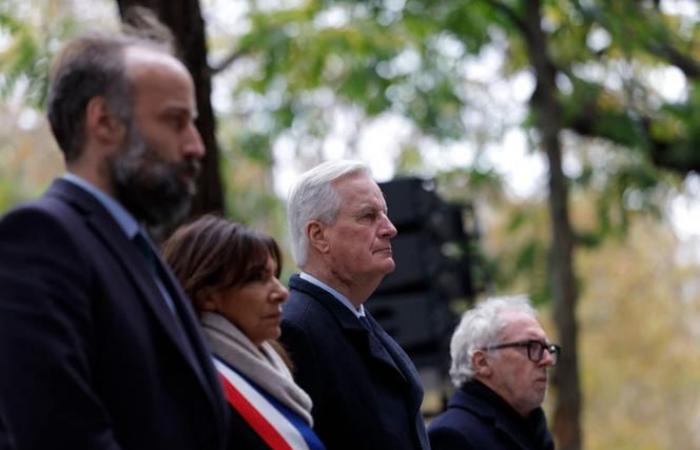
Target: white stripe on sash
{"type": "Point", "coordinates": [273, 416]}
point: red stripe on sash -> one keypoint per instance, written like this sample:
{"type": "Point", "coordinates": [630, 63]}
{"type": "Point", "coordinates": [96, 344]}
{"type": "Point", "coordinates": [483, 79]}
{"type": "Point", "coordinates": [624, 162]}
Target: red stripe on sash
{"type": "Point", "coordinates": [251, 415]}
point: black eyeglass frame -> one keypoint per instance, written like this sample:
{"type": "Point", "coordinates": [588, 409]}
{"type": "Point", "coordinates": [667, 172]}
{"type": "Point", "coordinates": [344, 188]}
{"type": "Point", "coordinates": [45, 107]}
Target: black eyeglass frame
{"type": "Point", "coordinates": [531, 345]}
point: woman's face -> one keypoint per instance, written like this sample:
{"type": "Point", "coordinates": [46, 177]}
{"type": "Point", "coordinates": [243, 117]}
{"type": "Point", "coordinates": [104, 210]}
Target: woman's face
{"type": "Point", "coordinates": [255, 307]}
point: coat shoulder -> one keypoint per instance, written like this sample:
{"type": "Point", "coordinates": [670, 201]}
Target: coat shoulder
{"type": "Point", "coordinates": [304, 311]}
{"type": "Point", "coordinates": [459, 428]}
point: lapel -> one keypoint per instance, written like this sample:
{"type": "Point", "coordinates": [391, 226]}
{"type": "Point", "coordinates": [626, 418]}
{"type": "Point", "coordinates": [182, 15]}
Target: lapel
{"type": "Point", "coordinates": [377, 345]}
{"type": "Point", "coordinates": [189, 336]}
{"type": "Point", "coordinates": [403, 363]}
{"type": "Point", "coordinates": [188, 340]}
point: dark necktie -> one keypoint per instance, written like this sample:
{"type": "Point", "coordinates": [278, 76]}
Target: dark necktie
{"type": "Point", "coordinates": [365, 323]}
{"type": "Point", "coordinates": [157, 272]}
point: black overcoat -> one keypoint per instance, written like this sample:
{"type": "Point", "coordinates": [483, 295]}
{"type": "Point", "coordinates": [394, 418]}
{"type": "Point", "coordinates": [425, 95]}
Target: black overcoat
{"type": "Point", "coordinates": [91, 356]}
{"type": "Point", "coordinates": [478, 419]}
{"type": "Point", "coordinates": [366, 391]}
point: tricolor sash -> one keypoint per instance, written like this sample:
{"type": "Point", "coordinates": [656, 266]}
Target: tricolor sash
{"type": "Point", "coordinates": [276, 425]}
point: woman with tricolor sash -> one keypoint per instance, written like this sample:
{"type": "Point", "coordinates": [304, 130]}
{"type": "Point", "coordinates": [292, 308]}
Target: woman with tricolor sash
{"type": "Point", "coordinates": [231, 274]}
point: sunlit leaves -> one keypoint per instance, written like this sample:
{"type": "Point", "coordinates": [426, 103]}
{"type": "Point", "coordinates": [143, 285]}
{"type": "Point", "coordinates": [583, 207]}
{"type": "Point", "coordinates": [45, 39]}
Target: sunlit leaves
{"type": "Point", "coordinates": [638, 315]}
{"type": "Point", "coordinates": [378, 57]}
{"type": "Point", "coordinates": [29, 46]}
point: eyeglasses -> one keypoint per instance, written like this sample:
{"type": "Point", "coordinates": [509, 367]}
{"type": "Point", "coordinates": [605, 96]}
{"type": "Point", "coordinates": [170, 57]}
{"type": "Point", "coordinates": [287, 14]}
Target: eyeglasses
{"type": "Point", "coordinates": [535, 349]}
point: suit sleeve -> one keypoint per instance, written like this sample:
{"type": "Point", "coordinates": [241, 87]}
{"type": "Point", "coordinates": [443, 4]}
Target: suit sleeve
{"type": "Point", "coordinates": [47, 390]}
{"type": "Point", "coordinates": [446, 438]}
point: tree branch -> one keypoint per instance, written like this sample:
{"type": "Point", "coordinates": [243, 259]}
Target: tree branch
{"type": "Point", "coordinates": [226, 62]}
{"type": "Point", "coordinates": [510, 15]}
{"type": "Point", "coordinates": [687, 64]}
{"type": "Point", "coordinates": [659, 47]}
{"type": "Point", "coordinates": [590, 120]}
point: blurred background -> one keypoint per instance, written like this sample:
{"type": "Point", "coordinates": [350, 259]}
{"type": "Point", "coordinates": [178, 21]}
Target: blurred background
{"type": "Point", "coordinates": [547, 147]}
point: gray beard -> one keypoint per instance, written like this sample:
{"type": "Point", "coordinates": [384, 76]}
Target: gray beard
{"type": "Point", "coordinates": [150, 188]}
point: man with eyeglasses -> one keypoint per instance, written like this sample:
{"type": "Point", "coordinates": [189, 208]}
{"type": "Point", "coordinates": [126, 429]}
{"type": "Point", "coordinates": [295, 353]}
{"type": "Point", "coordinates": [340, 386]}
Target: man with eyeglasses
{"type": "Point", "coordinates": [500, 356]}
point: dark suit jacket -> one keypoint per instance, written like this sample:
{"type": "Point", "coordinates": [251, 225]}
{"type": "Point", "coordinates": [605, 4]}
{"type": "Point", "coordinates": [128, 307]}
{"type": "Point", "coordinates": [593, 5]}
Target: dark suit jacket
{"type": "Point", "coordinates": [365, 389]}
{"type": "Point", "coordinates": [6, 440]}
{"type": "Point", "coordinates": [477, 419]}
{"type": "Point", "coordinates": [246, 438]}
{"type": "Point", "coordinates": [91, 355]}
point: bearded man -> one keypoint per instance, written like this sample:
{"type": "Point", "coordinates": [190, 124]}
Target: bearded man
{"type": "Point", "coordinates": [98, 348]}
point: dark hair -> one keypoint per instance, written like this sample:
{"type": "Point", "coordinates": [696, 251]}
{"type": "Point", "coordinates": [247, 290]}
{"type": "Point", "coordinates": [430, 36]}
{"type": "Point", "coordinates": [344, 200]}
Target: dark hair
{"type": "Point", "coordinates": [93, 65]}
{"type": "Point", "coordinates": [212, 254]}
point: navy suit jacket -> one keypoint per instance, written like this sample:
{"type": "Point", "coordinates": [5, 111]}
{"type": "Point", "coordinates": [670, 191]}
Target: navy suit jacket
{"type": "Point", "coordinates": [477, 419]}
{"type": "Point", "coordinates": [366, 391]}
{"type": "Point", "coordinates": [91, 355]}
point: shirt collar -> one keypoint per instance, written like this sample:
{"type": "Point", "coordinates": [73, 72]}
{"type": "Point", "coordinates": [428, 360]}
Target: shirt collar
{"type": "Point", "coordinates": [124, 219]}
{"type": "Point", "coordinates": [358, 312]}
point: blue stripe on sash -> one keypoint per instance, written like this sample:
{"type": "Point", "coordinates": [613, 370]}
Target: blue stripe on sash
{"type": "Point", "coordinates": [295, 419]}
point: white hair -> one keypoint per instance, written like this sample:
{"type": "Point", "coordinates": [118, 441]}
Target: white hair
{"type": "Point", "coordinates": [480, 327]}
{"type": "Point", "coordinates": [314, 197]}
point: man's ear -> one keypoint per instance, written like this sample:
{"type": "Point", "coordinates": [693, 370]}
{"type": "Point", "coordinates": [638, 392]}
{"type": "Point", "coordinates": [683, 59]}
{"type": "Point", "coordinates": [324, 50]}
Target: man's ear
{"type": "Point", "coordinates": [481, 364]}
{"type": "Point", "coordinates": [101, 125]}
{"type": "Point", "coordinates": [316, 233]}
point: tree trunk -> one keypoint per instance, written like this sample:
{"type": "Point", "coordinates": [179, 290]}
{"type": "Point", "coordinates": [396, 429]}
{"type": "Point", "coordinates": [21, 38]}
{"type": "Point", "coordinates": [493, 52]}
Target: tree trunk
{"type": "Point", "coordinates": [184, 18]}
{"type": "Point", "coordinates": [567, 414]}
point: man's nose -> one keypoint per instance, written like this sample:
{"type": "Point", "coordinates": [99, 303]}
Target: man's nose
{"type": "Point", "coordinates": [548, 359]}
{"type": "Point", "coordinates": [193, 146]}
{"type": "Point", "coordinates": [388, 230]}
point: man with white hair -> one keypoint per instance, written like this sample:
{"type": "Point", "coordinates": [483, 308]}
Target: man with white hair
{"type": "Point", "coordinates": [500, 356]}
{"type": "Point", "coordinates": [366, 391]}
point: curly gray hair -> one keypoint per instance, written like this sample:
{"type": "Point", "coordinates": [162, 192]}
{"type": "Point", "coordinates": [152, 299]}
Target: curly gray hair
{"type": "Point", "coordinates": [479, 328]}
